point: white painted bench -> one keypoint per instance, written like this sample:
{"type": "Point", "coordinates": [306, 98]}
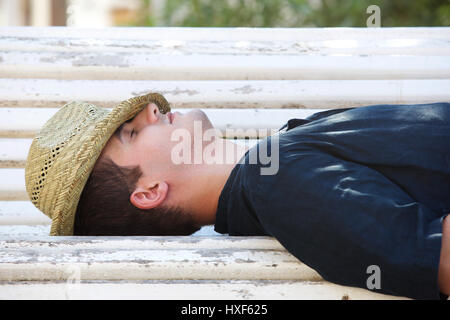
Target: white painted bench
{"type": "Point", "coordinates": [242, 78]}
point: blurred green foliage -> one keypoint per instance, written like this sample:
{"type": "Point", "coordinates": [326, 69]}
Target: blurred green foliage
{"type": "Point", "coordinates": [295, 13]}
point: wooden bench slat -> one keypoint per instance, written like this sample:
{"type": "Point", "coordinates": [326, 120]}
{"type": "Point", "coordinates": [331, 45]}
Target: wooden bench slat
{"type": "Point", "coordinates": [20, 213]}
{"type": "Point", "coordinates": [135, 261]}
{"type": "Point", "coordinates": [282, 41]}
{"type": "Point", "coordinates": [302, 45]}
{"type": "Point", "coordinates": [12, 184]}
{"type": "Point", "coordinates": [412, 45]}
{"type": "Point", "coordinates": [226, 34]}
{"type": "Point", "coordinates": [26, 122]}
{"type": "Point", "coordinates": [22, 218]}
{"type": "Point", "coordinates": [14, 152]}
{"type": "Point", "coordinates": [49, 264]}
{"type": "Point", "coordinates": [187, 289]}
{"type": "Point", "coordinates": [25, 228]}
{"type": "Point", "coordinates": [138, 242]}
{"type": "Point", "coordinates": [52, 93]}
{"type": "Point", "coordinates": [141, 66]}
{"type": "Point", "coordinates": [39, 230]}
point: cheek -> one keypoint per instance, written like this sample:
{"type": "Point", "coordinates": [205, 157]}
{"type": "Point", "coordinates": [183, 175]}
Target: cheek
{"type": "Point", "coordinates": [154, 145]}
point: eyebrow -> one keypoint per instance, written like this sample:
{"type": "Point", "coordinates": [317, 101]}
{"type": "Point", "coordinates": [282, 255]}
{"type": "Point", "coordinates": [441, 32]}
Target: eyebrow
{"type": "Point", "coordinates": [118, 132]}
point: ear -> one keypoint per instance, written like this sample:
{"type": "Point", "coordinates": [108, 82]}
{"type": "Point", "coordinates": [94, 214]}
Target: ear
{"type": "Point", "coordinates": [150, 195]}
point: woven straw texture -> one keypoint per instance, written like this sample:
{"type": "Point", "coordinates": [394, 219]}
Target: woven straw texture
{"type": "Point", "coordinates": [62, 155]}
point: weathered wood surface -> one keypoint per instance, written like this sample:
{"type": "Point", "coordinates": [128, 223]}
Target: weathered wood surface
{"type": "Point", "coordinates": [14, 152]}
{"type": "Point", "coordinates": [428, 39]}
{"type": "Point", "coordinates": [417, 41]}
{"type": "Point", "coordinates": [233, 94]}
{"type": "Point", "coordinates": [224, 54]}
{"type": "Point", "coordinates": [186, 289]}
{"type": "Point", "coordinates": [26, 122]}
{"type": "Point", "coordinates": [115, 266]}
{"type": "Point", "coordinates": [38, 225]}
{"type": "Point", "coordinates": [12, 184]}
{"type": "Point", "coordinates": [26, 231]}
{"type": "Point", "coordinates": [20, 213]}
{"type": "Point", "coordinates": [149, 258]}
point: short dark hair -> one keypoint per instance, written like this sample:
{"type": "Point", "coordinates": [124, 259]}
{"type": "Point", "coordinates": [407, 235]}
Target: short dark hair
{"type": "Point", "coordinates": [105, 209]}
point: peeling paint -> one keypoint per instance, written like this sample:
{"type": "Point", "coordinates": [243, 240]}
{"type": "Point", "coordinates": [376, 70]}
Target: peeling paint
{"type": "Point", "coordinates": [244, 294]}
{"type": "Point", "coordinates": [101, 60]}
{"type": "Point", "coordinates": [245, 261]}
{"type": "Point", "coordinates": [58, 43]}
{"type": "Point", "coordinates": [245, 89]}
{"type": "Point", "coordinates": [174, 92]}
{"type": "Point", "coordinates": [53, 58]}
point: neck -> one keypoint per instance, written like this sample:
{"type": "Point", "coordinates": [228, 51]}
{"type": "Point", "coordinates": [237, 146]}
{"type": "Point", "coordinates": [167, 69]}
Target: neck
{"type": "Point", "coordinates": [212, 179]}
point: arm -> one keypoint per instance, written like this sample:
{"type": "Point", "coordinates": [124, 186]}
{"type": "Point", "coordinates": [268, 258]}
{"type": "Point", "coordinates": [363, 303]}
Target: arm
{"type": "Point", "coordinates": [444, 261]}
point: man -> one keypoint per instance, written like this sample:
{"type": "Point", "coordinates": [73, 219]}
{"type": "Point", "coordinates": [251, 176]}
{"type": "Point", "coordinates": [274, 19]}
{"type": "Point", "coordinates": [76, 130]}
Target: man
{"type": "Point", "coordinates": [354, 188]}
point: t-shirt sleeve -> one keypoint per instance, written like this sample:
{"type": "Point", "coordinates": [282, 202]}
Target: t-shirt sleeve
{"type": "Point", "coordinates": [342, 218]}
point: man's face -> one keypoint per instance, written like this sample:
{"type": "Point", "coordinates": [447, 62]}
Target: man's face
{"type": "Point", "coordinates": [145, 140]}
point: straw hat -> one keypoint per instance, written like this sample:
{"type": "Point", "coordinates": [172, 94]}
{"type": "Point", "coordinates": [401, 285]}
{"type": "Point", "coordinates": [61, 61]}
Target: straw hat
{"type": "Point", "coordinates": [62, 155]}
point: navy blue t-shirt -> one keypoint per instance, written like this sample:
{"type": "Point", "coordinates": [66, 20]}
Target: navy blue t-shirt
{"type": "Point", "coordinates": [357, 187]}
